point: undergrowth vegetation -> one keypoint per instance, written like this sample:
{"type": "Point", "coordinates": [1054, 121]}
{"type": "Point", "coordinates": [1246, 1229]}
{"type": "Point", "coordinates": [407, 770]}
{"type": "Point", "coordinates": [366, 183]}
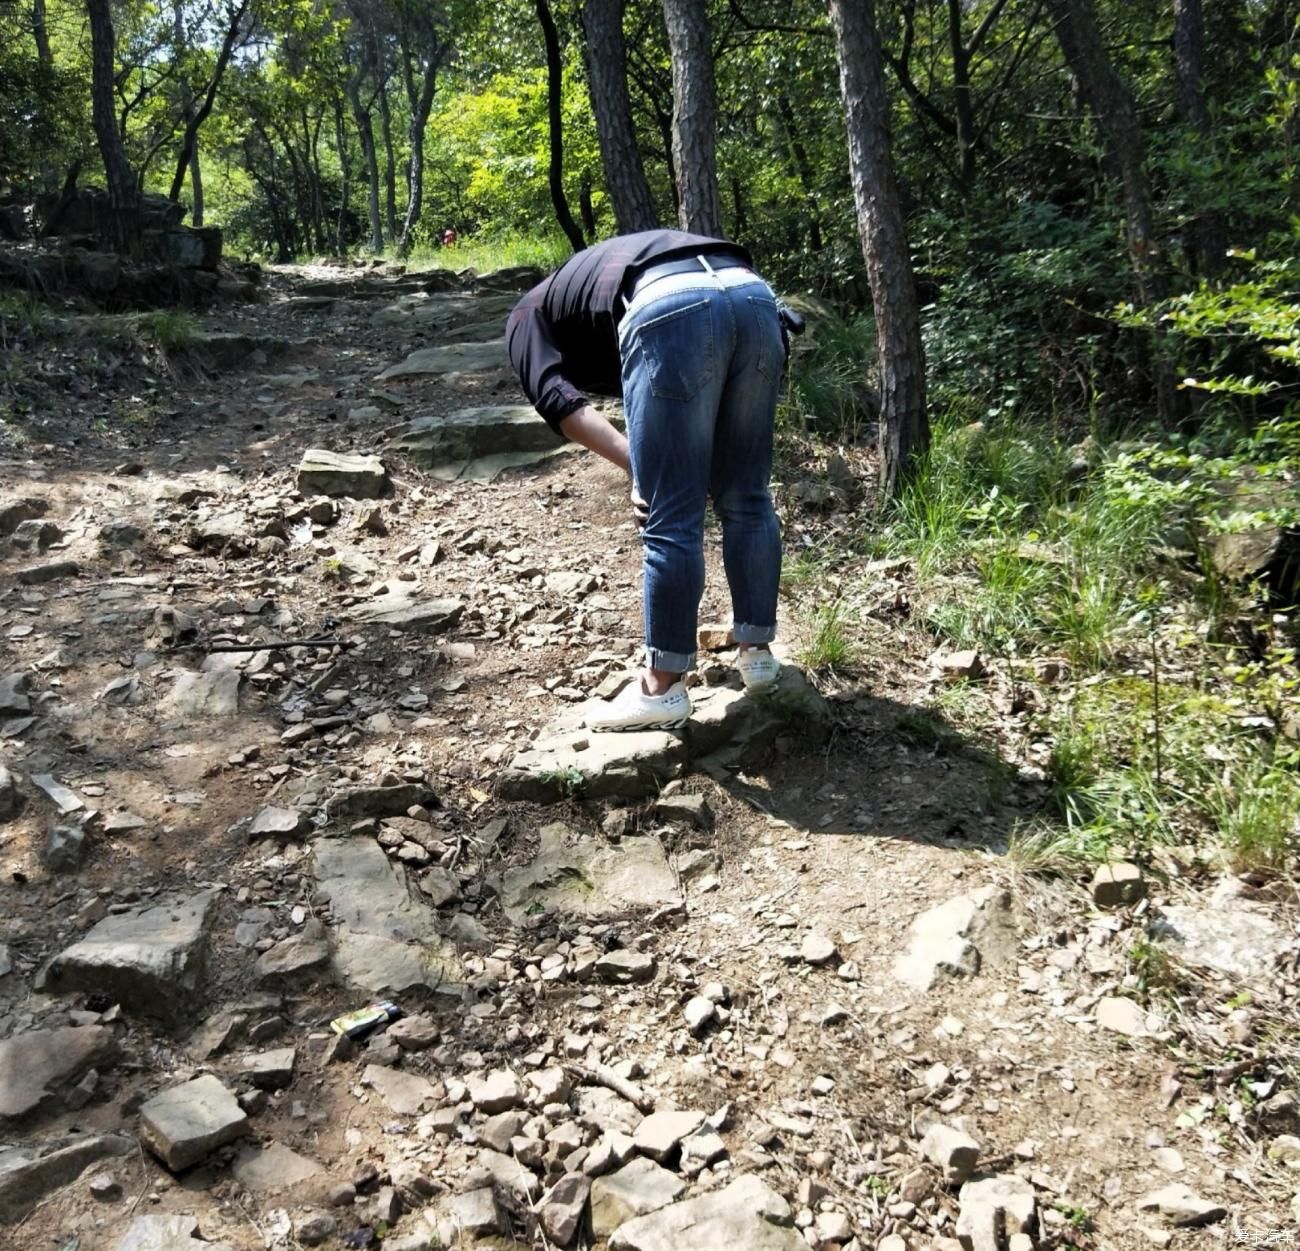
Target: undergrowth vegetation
{"type": "Point", "coordinates": [1130, 587]}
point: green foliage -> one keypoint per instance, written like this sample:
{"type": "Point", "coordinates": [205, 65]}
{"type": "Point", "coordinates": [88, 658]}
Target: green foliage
{"type": "Point", "coordinates": [827, 643]}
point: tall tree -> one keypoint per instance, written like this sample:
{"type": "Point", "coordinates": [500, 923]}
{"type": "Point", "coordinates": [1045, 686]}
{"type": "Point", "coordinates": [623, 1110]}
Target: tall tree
{"type": "Point", "coordinates": [423, 45]}
{"type": "Point", "coordinates": [1208, 235]}
{"type": "Point", "coordinates": [620, 155]}
{"type": "Point", "coordinates": [236, 32]}
{"type": "Point", "coordinates": [1110, 100]}
{"type": "Point", "coordinates": [904, 423]}
{"type": "Point", "coordinates": [695, 113]}
{"type": "Point", "coordinates": [555, 125]}
{"type": "Point", "coordinates": [123, 195]}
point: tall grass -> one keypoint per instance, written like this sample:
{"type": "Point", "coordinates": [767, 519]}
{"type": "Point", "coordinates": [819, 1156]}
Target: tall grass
{"type": "Point", "coordinates": [487, 253]}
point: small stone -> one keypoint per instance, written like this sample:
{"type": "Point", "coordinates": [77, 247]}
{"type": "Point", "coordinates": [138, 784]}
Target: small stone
{"type": "Point", "coordinates": [1121, 1016]}
{"type": "Point", "coordinates": [343, 1195]}
{"type": "Point", "coordinates": [623, 966]}
{"type": "Point", "coordinates": [1182, 1206]}
{"type": "Point", "coordinates": [277, 823]}
{"type": "Point", "coordinates": [271, 1070]}
{"type": "Point", "coordinates": [692, 809]}
{"type": "Point", "coordinates": [699, 1011]}
{"type": "Point", "coordinates": [183, 1125]}
{"type": "Point", "coordinates": [833, 1227]}
{"type": "Point", "coordinates": [105, 1187]}
{"type": "Point", "coordinates": [964, 664]}
{"type": "Point", "coordinates": [500, 1130]}
{"type": "Point", "coordinates": [1285, 1148]}
{"type": "Point", "coordinates": [560, 1211]}
{"type": "Point", "coordinates": [65, 848]}
{"type": "Point", "coordinates": [313, 1229]}
{"type": "Point", "coordinates": [817, 949]}
{"type": "Point", "coordinates": [334, 474]}
{"type": "Point", "coordinates": [638, 1188]}
{"type": "Point", "coordinates": [994, 1206]}
{"type": "Point", "coordinates": [953, 1152]}
{"type": "Point", "coordinates": [413, 1033]}
{"type": "Point", "coordinates": [661, 1133]}
{"type": "Point", "coordinates": [499, 1091]}
{"type": "Point", "coordinates": [550, 1086]}
{"type": "Point", "coordinates": [1117, 885]}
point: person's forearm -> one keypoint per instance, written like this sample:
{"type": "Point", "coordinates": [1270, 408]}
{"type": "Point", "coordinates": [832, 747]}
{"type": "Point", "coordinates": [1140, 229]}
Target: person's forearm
{"type": "Point", "coordinates": [588, 427]}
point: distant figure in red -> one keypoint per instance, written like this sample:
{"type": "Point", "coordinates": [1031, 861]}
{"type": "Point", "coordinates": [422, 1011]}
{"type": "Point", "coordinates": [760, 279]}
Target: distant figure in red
{"type": "Point", "coordinates": [449, 237]}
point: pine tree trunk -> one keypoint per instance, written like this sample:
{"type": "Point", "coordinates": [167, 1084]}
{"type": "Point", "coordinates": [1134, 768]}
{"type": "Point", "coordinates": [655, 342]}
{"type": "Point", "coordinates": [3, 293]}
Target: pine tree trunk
{"type": "Point", "coordinates": [1208, 236]}
{"type": "Point", "coordinates": [694, 116]}
{"type": "Point", "coordinates": [366, 134]}
{"type": "Point", "coordinates": [607, 76]}
{"type": "Point", "coordinates": [904, 425]}
{"type": "Point", "coordinates": [390, 161]}
{"type": "Point", "coordinates": [1110, 100]}
{"type": "Point", "coordinates": [123, 197]}
{"type": "Point", "coordinates": [196, 187]}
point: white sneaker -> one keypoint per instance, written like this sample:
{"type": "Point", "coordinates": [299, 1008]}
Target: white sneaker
{"type": "Point", "coordinates": [633, 709]}
{"type": "Point", "coordinates": [758, 668]}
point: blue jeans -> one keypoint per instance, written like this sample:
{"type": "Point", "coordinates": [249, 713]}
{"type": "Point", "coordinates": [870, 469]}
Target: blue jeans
{"type": "Point", "coordinates": [702, 365]}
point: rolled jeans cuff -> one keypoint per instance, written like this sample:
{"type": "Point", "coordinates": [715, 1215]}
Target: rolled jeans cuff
{"type": "Point", "coordinates": [753, 633]}
{"type": "Point", "coordinates": [669, 662]}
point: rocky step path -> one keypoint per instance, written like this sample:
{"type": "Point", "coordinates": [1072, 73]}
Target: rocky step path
{"type": "Point", "coordinates": [739, 985]}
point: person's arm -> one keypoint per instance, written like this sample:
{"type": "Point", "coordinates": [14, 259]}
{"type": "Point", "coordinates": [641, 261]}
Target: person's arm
{"type": "Point", "coordinates": [589, 427]}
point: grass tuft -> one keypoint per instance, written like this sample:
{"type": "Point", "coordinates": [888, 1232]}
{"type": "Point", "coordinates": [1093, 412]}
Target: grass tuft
{"type": "Point", "coordinates": [828, 644]}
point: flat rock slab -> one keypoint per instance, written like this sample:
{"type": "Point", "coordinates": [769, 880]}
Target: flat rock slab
{"type": "Point", "coordinates": [444, 312]}
{"type": "Point", "coordinates": [957, 938]}
{"type": "Point", "coordinates": [1233, 939]}
{"type": "Point", "coordinates": [150, 961]}
{"type": "Point", "coordinates": [387, 938]}
{"type": "Point", "coordinates": [454, 358]}
{"type": "Point", "coordinates": [728, 727]}
{"type": "Point", "coordinates": [167, 1233]}
{"type": "Point", "coordinates": [490, 468]}
{"type": "Point", "coordinates": [213, 693]}
{"type": "Point", "coordinates": [185, 1124]}
{"type": "Point", "coordinates": [411, 613]}
{"type": "Point", "coordinates": [35, 1064]}
{"type": "Point", "coordinates": [578, 875]}
{"type": "Point", "coordinates": [29, 1174]}
{"type": "Point", "coordinates": [339, 474]}
{"type": "Point", "coordinates": [404, 1093]}
{"type": "Point", "coordinates": [748, 1215]}
{"type": "Point", "coordinates": [472, 432]}
{"type": "Point", "coordinates": [274, 1168]}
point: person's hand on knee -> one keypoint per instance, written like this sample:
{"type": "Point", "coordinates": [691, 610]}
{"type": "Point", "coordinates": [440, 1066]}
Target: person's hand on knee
{"type": "Point", "coordinates": [640, 510]}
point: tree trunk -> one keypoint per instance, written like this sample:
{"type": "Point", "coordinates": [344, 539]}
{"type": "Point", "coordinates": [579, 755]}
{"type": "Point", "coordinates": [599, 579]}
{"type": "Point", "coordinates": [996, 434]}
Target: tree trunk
{"type": "Point", "coordinates": [1109, 99]}
{"type": "Point", "coordinates": [585, 207]}
{"type": "Point", "coordinates": [366, 133]}
{"type": "Point", "coordinates": [694, 116]}
{"type": "Point", "coordinates": [192, 124]}
{"type": "Point", "coordinates": [41, 34]}
{"type": "Point", "coordinates": [904, 425]}
{"type": "Point", "coordinates": [345, 176]}
{"type": "Point", "coordinates": [961, 90]}
{"type": "Point", "coordinates": [390, 162]}
{"type": "Point", "coordinates": [607, 79]}
{"type": "Point", "coordinates": [196, 187]}
{"type": "Point", "coordinates": [123, 199]}
{"type": "Point", "coordinates": [803, 167]}
{"type": "Point", "coordinates": [421, 103]}
{"type": "Point", "coordinates": [1208, 237]}
{"type": "Point", "coordinates": [555, 123]}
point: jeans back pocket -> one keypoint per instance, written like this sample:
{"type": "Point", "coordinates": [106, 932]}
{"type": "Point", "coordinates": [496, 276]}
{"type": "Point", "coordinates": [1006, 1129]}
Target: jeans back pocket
{"type": "Point", "coordinates": [678, 350]}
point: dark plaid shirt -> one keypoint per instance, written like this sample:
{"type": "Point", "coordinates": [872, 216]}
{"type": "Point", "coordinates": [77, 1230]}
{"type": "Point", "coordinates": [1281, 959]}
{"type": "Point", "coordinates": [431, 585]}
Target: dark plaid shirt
{"type": "Point", "coordinates": [563, 335]}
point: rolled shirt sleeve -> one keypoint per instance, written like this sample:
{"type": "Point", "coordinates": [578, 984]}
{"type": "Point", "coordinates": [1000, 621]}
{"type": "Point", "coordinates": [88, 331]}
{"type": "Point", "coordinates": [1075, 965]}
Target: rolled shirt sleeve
{"type": "Point", "coordinates": [539, 362]}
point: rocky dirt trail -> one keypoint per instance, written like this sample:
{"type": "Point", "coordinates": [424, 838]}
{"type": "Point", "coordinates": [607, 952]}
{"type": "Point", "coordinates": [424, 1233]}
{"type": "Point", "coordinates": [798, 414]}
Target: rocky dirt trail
{"type": "Point", "coordinates": [296, 650]}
